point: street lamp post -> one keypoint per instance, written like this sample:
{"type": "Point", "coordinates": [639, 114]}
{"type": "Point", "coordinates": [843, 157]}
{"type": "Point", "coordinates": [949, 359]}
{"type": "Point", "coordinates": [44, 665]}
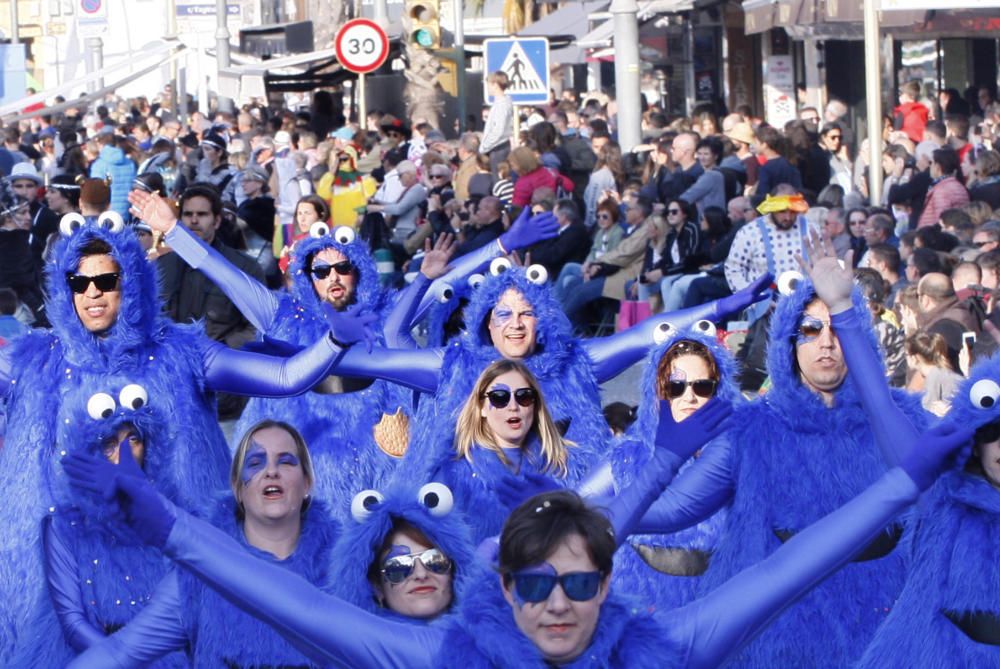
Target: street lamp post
{"type": "Point", "coordinates": [222, 49]}
{"type": "Point", "coordinates": [627, 91]}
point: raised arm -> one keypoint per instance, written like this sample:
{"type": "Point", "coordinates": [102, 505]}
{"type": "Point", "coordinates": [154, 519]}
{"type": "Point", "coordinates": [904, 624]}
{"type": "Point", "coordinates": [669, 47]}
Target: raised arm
{"type": "Point", "coordinates": [156, 631]}
{"type": "Point", "coordinates": [713, 628]}
{"type": "Point", "coordinates": [834, 285]}
{"type": "Point", "coordinates": [64, 588]}
{"type": "Point", "coordinates": [401, 319]}
{"type": "Point", "coordinates": [614, 354]}
{"type": "Point", "coordinates": [257, 304]}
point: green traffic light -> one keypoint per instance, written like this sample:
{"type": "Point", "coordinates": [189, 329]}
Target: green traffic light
{"type": "Point", "coordinates": [423, 37]}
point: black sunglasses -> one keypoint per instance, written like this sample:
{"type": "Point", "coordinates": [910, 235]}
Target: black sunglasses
{"type": "Point", "coordinates": [701, 388]}
{"type": "Point", "coordinates": [980, 245]}
{"type": "Point", "coordinates": [673, 211]}
{"type": "Point", "coordinates": [499, 398]}
{"type": "Point", "coordinates": [105, 283]}
{"type": "Point", "coordinates": [580, 586]}
{"type": "Point", "coordinates": [343, 268]}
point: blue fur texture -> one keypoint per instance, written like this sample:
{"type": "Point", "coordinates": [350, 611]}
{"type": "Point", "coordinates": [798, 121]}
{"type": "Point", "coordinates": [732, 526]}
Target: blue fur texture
{"type": "Point", "coordinates": [356, 549]}
{"type": "Point", "coordinates": [795, 461]}
{"type": "Point", "coordinates": [485, 636]}
{"type": "Point", "coordinates": [337, 427]}
{"type": "Point", "coordinates": [561, 365]}
{"type": "Point", "coordinates": [632, 574]}
{"type": "Point", "coordinates": [55, 372]}
{"type": "Point", "coordinates": [223, 635]}
{"type": "Point", "coordinates": [953, 547]}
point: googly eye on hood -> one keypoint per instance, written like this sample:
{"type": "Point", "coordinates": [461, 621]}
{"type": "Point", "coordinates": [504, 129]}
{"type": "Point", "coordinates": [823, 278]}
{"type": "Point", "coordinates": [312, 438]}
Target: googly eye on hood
{"type": "Point", "coordinates": [977, 400]}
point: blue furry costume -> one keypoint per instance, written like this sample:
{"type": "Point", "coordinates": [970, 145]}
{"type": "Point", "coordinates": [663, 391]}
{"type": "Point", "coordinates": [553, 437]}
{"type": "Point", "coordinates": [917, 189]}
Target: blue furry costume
{"type": "Point", "coordinates": [188, 615]}
{"type": "Point", "coordinates": [337, 422]}
{"type": "Point", "coordinates": [953, 546]}
{"type": "Point", "coordinates": [664, 570]}
{"type": "Point", "coordinates": [53, 372]}
{"type": "Point", "coordinates": [794, 460]}
{"type": "Point", "coordinates": [357, 548]}
{"type": "Point", "coordinates": [100, 574]}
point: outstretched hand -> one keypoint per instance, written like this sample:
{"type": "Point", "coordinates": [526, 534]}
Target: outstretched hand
{"type": "Point", "coordinates": [436, 257]}
{"type": "Point", "coordinates": [528, 230]}
{"type": "Point", "coordinates": [933, 452]}
{"type": "Point", "coordinates": [125, 486]}
{"type": "Point", "coordinates": [832, 280]}
{"type": "Point", "coordinates": [743, 298]}
{"type": "Point", "coordinates": [351, 326]}
{"type": "Point", "coordinates": [153, 210]}
{"type": "Point", "coordinates": [685, 438]}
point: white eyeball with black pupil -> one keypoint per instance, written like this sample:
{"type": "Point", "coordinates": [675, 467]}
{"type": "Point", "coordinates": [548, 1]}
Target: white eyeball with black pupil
{"type": "Point", "coordinates": [663, 332]}
{"type": "Point", "coordinates": [344, 234]}
{"type": "Point", "coordinates": [984, 394]}
{"type": "Point", "coordinates": [363, 503]}
{"type": "Point", "coordinates": [445, 294]}
{"type": "Point", "coordinates": [476, 280]}
{"type": "Point", "coordinates": [101, 405]}
{"type": "Point", "coordinates": [788, 282]}
{"type": "Point", "coordinates": [319, 229]}
{"type": "Point", "coordinates": [437, 498]}
{"type": "Point", "coordinates": [133, 396]}
{"type": "Point", "coordinates": [537, 274]}
{"type": "Point", "coordinates": [112, 221]}
{"type": "Point", "coordinates": [70, 223]}
{"type": "Point", "coordinates": [706, 328]}
{"type": "Point", "coordinates": [499, 266]}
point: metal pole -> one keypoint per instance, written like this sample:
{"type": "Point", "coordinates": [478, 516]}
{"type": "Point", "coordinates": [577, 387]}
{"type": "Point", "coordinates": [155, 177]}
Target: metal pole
{"type": "Point", "coordinates": [202, 75]}
{"type": "Point", "coordinates": [362, 102]}
{"type": "Point", "coordinates": [873, 91]}
{"type": "Point", "coordinates": [222, 50]}
{"type": "Point", "coordinates": [459, 7]}
{"type": "Point", "coordinates": [95, 60]}
{"type": "Point", "coordinates": [13, 22]}
{"type": "Point", "coordinates": [174, 64]}
{"type": "Point", "coordinates": [625, 13]}
{"type": "Point", "coordinates": [381, 12]}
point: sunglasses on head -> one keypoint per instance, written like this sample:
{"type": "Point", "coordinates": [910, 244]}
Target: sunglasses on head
{"type": "Point", "coordinates": [105, 283]}
{"type": "Point", "coordinates": [397, 569]}
{"type": "Point", "coordinates": [500, 398]}
{"type": "Point", "coordinates": [701, 388]}
{"type": "Point", "coordinates": [321, 271]}
{"type": "Point", "coordinates": [580, 586]}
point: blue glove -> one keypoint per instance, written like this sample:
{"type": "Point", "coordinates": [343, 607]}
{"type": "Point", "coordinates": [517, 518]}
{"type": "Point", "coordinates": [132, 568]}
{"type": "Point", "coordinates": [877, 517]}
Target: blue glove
{"type": "Point", "coordinates": [512, 491]}
{"type": "Point", "coordinates": [350, 326]}
{"type": "Point", "coordinates": [488, 551]}
{"type": "Point", "coordinates": [931, 454]}
{"type": "Point", "coordinates": [124, 485]}
{"type": "Point", "coordinates": [742, 299]}
{"type": "Point", "coordinates": [527, 231]}
{"type": "Point", "coordinates": [675, 443]}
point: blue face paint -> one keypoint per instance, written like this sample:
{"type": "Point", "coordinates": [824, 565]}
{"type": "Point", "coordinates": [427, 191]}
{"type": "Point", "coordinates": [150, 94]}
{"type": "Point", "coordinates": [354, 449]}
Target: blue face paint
{"type": "Point", "coordinates": [678, 375]}
{"type": "Point", "coordinates": [501, 316]}
{"type": "Point", "coordinates": [288, 459]}
{"type": "Point", "coordinates": [254, 462]}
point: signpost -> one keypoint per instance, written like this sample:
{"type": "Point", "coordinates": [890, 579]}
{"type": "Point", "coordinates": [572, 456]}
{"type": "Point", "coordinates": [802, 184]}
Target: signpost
{"type": "Point", "coordinates": [362, 46]}
{"type": "Point", "coordinates": [525, 61]}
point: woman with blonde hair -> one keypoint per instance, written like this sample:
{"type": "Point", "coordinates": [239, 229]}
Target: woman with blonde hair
{"type": "Point", "coordinates": [607, 177]}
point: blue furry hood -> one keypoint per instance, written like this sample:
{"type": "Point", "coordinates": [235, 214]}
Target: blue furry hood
{"type": "Point", "coordinates": [139, 316]}
{"type": "Point", "coordinates": [787, 392]}
{"type": "Point", "coordinates": [977, 400]}
{"type": "Point", "coordinates": [553, 330]}
{"type": "Point", "coordinates": [356, 549]}
{"type": "Point", "coordinates": [367, 292]}
{"type": "Point", "coordinates": [442, 310]}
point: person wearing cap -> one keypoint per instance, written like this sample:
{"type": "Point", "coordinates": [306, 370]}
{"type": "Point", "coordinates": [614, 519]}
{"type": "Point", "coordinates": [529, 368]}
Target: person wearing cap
{"type": "Point", "coordinates": [257, 213]}
{"type": "Point", "coordinates": [741, 135]}
{"type": "Point", "coordinates": [19, 270]}
{"type": "Point", "coordinates": [343, 186]}
{"type": "Point", "coordinates": [63, 195]}
{"type": "Point", "coordinates": [27, 182]}
{"type": "Point", "coordinates": [113, 164]}
{"type": "Point", "coordinates": [771, 242]}
{"type": "Point", "coordinates": [396, 132]}
{"type": "Point", "coordinates": [214, 167]}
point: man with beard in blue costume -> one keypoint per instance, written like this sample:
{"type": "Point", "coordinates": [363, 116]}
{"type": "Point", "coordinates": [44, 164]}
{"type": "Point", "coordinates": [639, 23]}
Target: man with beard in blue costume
{"type": "Point", "coordinates": [827, 428]}
{"type": "Point", "coordinates": [664, 570]}
{"type": "Point", "coordinates": [357, 428]}
{"type": "Point", "coordinates": [948, 614]}
{"type": "Point", "coordinates": [551, 603]}
{"type": "Point", "coordinates": [100, 575]}
{"type": "Point", "coordinates": [106, 319]}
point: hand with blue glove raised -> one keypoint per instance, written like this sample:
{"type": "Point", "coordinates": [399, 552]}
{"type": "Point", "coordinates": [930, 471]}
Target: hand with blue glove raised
{"type": "Point", "coordinates": [934, 451]}
{"type": "Point", "coordinates": [512, 490]}
{"type": "Point", "coordinates": [351, 326]}
{"type": "Point", "coordinates": [675, 443]}
{"type": "Point", "coordinates": [741, 299]}
{"type": "Point", "coordinates": [528, 230]}
{"type": "Point", "coordinates": [124, 485]}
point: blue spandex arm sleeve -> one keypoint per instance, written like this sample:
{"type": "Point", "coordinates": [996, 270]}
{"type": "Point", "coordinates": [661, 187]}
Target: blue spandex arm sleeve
{"type": "Point", "coordinates": [6, 370]}
{"type": "Point", "coordinates": [325, 628]}
{"type": "Point", "coordinates": [418, 369]}
{"type": "Point", "coordinates": [404, 314]}
{"type": "Point", "coordinates": [257, 375]}
{"type": "Point", "coordinates": [64, 588]}
{"type": "Point", "coordinates": [891, 427]}
{"type": "Point", "coordinates": [257, 304]}
{"type": "Point", "coordinates": [156, 631]}
{"type": "Point", "coordinates": [714, 627]}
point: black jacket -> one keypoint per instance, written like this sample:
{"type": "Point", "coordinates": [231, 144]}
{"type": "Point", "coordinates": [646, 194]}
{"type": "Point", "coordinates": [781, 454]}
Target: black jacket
{"type": "Point", "coordinates": [570, 245]}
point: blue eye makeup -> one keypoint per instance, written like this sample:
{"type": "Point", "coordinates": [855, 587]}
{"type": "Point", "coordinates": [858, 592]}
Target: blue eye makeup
{"type": "Point", "coordinates": [254, 463]}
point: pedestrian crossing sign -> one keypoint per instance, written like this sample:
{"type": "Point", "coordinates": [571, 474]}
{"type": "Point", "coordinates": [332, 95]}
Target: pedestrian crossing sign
{"type": "Point", "coordinates": [525, 60]}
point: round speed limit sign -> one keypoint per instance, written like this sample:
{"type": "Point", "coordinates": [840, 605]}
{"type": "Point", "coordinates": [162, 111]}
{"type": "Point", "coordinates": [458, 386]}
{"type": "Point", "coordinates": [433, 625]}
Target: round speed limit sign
{"type": "Point", "coordinates": [361, 45]}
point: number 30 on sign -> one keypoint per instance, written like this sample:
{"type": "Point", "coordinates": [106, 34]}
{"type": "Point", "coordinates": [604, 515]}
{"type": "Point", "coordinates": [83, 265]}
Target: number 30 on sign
{"type": "Point", "coordinates": [361, 45]}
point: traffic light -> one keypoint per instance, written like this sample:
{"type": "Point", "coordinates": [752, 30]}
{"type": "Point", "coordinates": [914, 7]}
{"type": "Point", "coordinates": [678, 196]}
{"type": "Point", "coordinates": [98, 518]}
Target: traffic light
{"type": "Point", "coordinates": [425, 23]}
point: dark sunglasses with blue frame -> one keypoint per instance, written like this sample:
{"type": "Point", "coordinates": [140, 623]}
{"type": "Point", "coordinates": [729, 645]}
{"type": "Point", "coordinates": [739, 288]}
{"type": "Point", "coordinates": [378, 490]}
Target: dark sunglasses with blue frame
{"type": "Point", "coordinates": [580, 586]}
